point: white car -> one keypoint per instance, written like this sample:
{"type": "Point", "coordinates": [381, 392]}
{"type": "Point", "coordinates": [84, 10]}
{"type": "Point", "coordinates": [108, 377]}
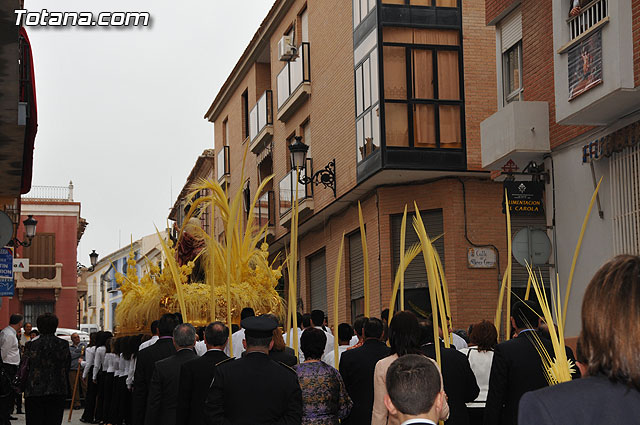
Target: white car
{"type": "Point", "coordinates": [65, 334]}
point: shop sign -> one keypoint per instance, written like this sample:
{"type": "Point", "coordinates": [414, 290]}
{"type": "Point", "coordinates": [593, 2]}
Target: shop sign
{"type": "Point", "coordinates": [611, 143]}
{"type": "Point", "coordinates": [525, 197]}
{"type": "Point", "coordinates": [481, 258]}
{"type": "Point", "coordinates": [6, 272]}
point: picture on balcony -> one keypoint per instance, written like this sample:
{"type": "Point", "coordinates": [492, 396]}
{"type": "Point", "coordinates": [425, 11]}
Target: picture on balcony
{"type": "Point", "coordinates": [585, 65]}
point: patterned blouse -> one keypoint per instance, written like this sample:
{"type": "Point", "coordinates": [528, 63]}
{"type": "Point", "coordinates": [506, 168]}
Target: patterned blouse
{"type": "Point", "coordinates": [324, 398]}
{"type": "Point", "coordinates": [49, 361]}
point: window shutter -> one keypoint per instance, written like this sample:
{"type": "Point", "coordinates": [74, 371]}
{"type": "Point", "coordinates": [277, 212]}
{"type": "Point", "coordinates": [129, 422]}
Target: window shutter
{"type": "Point", "coordinates": [318, 281]}
{"type": "Point", "coordinates": [511, 29]}
{"type": "Point", "coordinates": [41, 252]}
{"type": "Point", "coordinates": [356, 266]}
{"type": "Point", "coordinates": [415, 276]}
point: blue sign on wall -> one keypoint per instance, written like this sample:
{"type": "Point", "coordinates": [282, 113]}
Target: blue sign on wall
{"type": "Point", "coordinates": [7, 286]}
{"type": "Point", "coordinates": [6, 263]}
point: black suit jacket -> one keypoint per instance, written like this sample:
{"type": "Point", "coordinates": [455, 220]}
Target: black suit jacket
{"type": "Point", "coordinates": [515, 370]}
{"type": "Point", "coordinates": [254, 390]}
{"type": "Point", "coordinates": [458, 379]}
{"type": "Point", "coordinates": [195, 379]}
{"type": "Point", "coordinates": [163, 390]}
{"type": "Point", "coordinates": [357, 367]}
{"type": "Point", "coordinates": [593, 400]}
{"type": "Point", "coordinates": [145, 365]}
{"type": "Point", "coordinates": [287, 356]}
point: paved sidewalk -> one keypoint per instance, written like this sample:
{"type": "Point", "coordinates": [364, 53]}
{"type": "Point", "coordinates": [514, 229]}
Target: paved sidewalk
{"type": "Point", "coordinates": [75, 420]}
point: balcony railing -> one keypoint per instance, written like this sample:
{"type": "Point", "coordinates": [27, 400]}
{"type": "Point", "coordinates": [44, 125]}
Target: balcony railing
{"type": "Point", "coordinates": [293, 74]}
{"type": "Point", "coordinates": [265, 210]}
{"type": "Point", "coordinates": [589, 16]}
{"type": "Point", "coordinates": [287, 186]}
{"type": "Point", "coordinates": [261, 115]}
{"type": "Point", "coordinates": [50, 193]}
{"type": "Point", "coordinates": [222, 165]}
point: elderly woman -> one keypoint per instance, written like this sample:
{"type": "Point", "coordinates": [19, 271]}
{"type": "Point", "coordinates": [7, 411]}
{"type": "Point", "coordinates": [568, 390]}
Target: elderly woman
{"type": "Point", "coordinates": [325, 400]}
{"type": "Point", "coordinates": [482, 339]}
{"type": "Point", "coordinates": [49, 360]}
{"type": "Point", "coordinates": [610, 394]}
{"type": "Point", "coordinates": [404, 337]}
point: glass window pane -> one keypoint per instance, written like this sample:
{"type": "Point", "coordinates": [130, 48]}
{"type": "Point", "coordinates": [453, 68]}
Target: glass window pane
{"type": "Point", "coordinates": [397, 35]}
{"type": "Point", "coordinates": [450, 133]}
{"type": "Point", "coordinates": [512, 70]}
{"type": "Point", "coordinates": [366, 83]}
{"type": "Point", "coordinates": [420, 2]}
{"type": "Point", "coordinates": [424, 126]}
{"type": "Point", "coordinates": [356, 13]}
{"type": "Point", "coordinates": [375, 127]}
{"type": "Point", "coordinates": [422, 74]}
{"type": "Point", "coordinates": [438, 37]}
{"type": "Point", "coordinates": [395, 73]}
{"type": "Point", "coordinates": [446, 3]}
{"type": "Point", "coordinates": [360, 139]}
{"type": "Point", "coordinates": [396, 123]}
{"type": "Point", "coordinates": [306, 133]}
{"type": "Point", "coordinates": [359, 95]}
{"type": "Point", "coordinates": [448, 76]}
{"type": "Point", "coordinates": [372, 5]}
{"type": "Point", "coordinates": [367, 133]}
{"type": "Point", "coordinates": [393, 1]}
{"type": "Point", "coordinates": [374, 77]}
{"type": "Point", "coordinates": [364, 9]}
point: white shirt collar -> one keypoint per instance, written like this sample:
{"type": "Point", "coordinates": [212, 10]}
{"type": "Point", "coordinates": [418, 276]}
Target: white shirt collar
{"type": "Point", "coordinates": [213, 349]}
{"type": "Point", "coordinates": [418, 421]}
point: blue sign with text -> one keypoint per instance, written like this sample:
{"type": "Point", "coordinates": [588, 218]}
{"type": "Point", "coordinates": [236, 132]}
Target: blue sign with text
{"type": "Point", "coordinates": [7, 288]}
{"type": "Point", "coordinates": [6, 263]}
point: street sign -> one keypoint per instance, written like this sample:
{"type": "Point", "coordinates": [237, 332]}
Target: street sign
{"type": "Point", "coordinates": [481, 258]}
{"type": "Point", "coordinates": [531, 246]}
{"type": "Point", "coordinates": [20, 265]}
{"type": "Point", "coordinates": [7, 288]}
{"type": "Point", "coordinates": [6, 263]}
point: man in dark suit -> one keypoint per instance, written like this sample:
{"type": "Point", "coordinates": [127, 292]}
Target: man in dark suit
{"type": "Point", "coordinates": [517, 367]}
{"type": "Point", "coordinates": [357, 367]}
{"type": "Point", "coordinates": [145, 365]}
{"type": "Point", "coordinates": [196, 376]}
{"type": "Point", "coordinates": [458, 379]}
{"type": "Point", "coordinates": [254, 389]}
{"type": "Point", "coordinates": [163, 390]}
{"type": "Point", "coordinates": [414, 393]}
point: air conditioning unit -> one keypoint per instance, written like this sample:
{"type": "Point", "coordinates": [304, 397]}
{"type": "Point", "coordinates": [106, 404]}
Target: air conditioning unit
{"type": "Point", "coordinates": [286, 49]}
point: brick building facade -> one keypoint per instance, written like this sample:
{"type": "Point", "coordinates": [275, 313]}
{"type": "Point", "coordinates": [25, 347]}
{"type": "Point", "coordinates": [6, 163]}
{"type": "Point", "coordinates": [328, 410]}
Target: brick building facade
{"type": "Point", "coordinates": [576, 75]}
{"type": "Point", "coordinates": [51, 284]}
{"type": "Point", "coordinates": [425, 150]}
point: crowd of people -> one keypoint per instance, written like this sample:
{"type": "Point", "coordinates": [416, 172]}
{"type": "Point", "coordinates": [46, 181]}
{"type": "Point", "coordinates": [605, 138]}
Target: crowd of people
{"type": "Point", "coordinates": [386, 369]}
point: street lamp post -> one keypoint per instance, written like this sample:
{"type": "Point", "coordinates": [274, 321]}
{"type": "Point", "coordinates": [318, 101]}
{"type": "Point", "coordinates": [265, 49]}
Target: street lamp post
{"type": "Point", "coordinates": [326, 176]}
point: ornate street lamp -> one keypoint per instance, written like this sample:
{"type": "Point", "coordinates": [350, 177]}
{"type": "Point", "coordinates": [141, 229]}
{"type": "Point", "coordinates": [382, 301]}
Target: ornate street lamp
{"type": "Point", "coordinates": [326, 176]}
{"type": "Point", "coordinates": [30, 231]}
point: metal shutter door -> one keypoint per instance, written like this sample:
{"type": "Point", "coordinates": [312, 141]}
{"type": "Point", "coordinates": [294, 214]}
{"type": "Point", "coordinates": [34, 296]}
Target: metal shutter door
{"type": "Point", "coordinates": [511, 30]}
{"type": "Point", "coordinates": [519, 274]}
{"type": "Point", "coordinates": [318, 281]}
{"type": "Point", "coordinates": [415, 275]}
{"type": "Point", "coordinates": [356, 266]}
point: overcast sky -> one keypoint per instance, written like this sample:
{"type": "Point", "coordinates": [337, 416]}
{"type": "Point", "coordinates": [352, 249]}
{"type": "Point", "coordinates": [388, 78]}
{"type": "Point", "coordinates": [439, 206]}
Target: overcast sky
{"type": "Point", "coordinates": [120, 111]}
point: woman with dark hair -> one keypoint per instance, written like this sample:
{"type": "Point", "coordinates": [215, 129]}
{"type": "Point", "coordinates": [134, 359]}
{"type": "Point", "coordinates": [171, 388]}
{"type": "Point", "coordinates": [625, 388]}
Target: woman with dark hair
{"type": "Point", "coordinates": [325, 400]}
{"type": "Point", "coordinates": [610, 393]}
{"type": "Point", "coordinates": [46, 386]}
{"type": "Point", "coordinates": [90, 399]}
{"type": "Point", "coordinates": [482, 339]}
{"type": "Point", "coordinates": [119, 384]}
{"type": "Point", "coordinates": [134, 346]}
{"type": "Point", "coordinates": [404, 337]}
{"type": "Point", "coordinates": [280, 352]}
